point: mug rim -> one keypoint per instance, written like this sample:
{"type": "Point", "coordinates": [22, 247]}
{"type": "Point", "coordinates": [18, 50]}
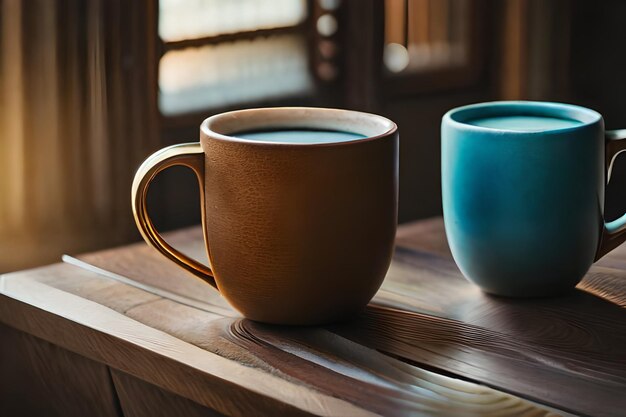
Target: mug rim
{"type": "Point", "coordinates": [459, 116]}
{"type": "Point", "coordinates": [294, 117]}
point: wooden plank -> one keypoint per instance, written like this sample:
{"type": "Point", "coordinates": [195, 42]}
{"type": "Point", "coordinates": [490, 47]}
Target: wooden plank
{"type": "Point", "coordinates": [605, 278]}
{"type": "Point", "coordinates": [165, 274]}
{"type": "Point", "coordinates": [330, 364]}
{"type": "Point", "coordinates": [106, 336]}
{"type": "Point", "coordinates": [38, 378]}
{"type": "Point", "coordinates": [521, 346]}
{"type": "Point", "coordinates": [140, 399]}
{"type": "Point", "coordinates": [118, 298]}
{"type": "Point", "coordinates": [488, 357]}
{"type": "Point", "coordinates": [424, 235]}
{"type": "Point", "coordinates": [525, 347]}
{"type": "Point", "coordinates": [323, 365]}
{"type": "Point", "coordinates": [430, 236]}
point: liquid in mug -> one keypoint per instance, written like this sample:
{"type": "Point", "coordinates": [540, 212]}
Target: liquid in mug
{"type": "Point", "coordinates": [298, 136]}
{"type": "Point", "coordinates": [524, 123]}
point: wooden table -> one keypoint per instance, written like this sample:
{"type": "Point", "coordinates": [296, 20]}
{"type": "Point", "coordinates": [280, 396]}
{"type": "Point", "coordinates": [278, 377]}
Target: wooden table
{"type": "Point", "coordinates": [142, 338]}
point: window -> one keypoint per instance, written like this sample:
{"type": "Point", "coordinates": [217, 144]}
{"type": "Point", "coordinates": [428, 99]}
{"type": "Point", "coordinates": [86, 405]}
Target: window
{"type": "Point", "coordinates": [192, 19]}
{"type": "Point", "coordinates": [228, 53]}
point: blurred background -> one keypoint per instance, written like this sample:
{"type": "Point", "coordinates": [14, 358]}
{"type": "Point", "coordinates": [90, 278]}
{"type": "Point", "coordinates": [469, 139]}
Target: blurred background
{"type": "Point", "coordinates": [89, 88]}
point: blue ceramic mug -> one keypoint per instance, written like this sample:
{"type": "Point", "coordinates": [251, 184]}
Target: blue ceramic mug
{"type": "Point", "coordinates": [523, 194]}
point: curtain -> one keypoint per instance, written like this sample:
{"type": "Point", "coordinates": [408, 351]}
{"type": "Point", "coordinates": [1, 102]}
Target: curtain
{"type": "Point", "coordinates": [77, 115]}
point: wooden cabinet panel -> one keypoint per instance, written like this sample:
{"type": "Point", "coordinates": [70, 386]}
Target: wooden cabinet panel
{"type": "Point", "coordinates": [141, 399]}
{"type": "Point", "coordinates": [38, 378]}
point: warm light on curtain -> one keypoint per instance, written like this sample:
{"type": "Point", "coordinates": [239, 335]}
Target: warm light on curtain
{"type": "Point", "coordinates": [76, 120]}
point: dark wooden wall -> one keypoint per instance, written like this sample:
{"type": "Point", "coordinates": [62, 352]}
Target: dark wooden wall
{"type": "Point", "coordinates": [561, 50]}
{"type": "Point", "coordinates": [598, 77]}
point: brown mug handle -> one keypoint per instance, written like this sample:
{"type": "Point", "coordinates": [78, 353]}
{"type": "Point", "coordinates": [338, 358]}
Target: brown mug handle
{"type": "Point", "coordinates": [191, 156]}
{"type": "Point", "coordinates": [614, 232]}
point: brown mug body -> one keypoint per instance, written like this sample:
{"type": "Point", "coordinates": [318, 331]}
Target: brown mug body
{"type": "Point", "coordinates": [295, 233]}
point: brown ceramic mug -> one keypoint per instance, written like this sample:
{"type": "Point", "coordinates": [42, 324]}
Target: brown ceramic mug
{"type": "Point", "coordinates": [296, 233]}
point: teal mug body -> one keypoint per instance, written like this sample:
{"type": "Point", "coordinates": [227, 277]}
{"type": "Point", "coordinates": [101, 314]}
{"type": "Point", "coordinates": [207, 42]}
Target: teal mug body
{"type": "Point", "coordinates": [523, 194]}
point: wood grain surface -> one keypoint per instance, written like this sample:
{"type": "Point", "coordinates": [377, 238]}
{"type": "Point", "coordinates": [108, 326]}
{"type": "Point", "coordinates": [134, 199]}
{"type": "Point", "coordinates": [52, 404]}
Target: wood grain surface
{"type": "Point", "coordinates": [427, 313]}
{"type": "Point", "coordinates": [305, 369]}
{"type": "Point", "coordinates": [426, 324]}
{"type": "Point", "coordinates": [104, 335]}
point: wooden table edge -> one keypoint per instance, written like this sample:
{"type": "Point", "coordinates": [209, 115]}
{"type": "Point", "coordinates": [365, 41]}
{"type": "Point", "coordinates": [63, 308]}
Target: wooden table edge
{"type": "Point", "coordinates": [106, 336]}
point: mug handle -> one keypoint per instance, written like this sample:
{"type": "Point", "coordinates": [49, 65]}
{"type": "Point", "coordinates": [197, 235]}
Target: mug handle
{"type": "Point", "coordinates": [614, 232]}
{"type": "Point", "coordinates": [191, 156]}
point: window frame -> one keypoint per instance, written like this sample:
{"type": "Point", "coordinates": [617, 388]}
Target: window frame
{"type": "Point", "coordinates": [442, 79]}
{"type": "Point", "coordinates": [321, 89]}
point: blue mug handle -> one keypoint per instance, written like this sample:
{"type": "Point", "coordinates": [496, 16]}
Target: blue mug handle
{"type": "Point", "coordinates": [613, 233]}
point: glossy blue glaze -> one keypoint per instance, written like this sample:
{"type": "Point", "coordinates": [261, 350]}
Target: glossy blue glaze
{"type": "Point", "coordinates": [523, 210]}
